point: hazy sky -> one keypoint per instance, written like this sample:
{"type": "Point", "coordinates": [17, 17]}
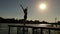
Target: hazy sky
{"type": "Point", "coordinates": [12, 9]}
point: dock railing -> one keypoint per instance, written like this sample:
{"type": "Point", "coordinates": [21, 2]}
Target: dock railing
{"type": "Point", "coordinates": [35, 29]}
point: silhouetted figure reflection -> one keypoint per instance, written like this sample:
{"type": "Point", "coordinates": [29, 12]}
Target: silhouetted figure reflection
{"type": "Point", "coordinates": [25, 12]}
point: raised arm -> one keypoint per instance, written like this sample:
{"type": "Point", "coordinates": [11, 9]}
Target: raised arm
{"type": "Point", "coordinates": [22, 7]}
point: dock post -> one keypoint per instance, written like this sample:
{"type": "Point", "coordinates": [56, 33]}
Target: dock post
{"type": "Point", "coordinates": [41, 31]}
{"type": "Point", "coordinates": [9, 30]}
{"type": "Point", "coordinates": [49, 31]}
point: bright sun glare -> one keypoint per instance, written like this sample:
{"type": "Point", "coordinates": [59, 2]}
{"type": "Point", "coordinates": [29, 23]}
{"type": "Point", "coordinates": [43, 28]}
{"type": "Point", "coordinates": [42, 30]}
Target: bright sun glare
{"type": "Point", "coordinates": [42, 6]}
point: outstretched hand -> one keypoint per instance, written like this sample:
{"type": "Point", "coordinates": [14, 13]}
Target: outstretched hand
{"type": "Point", "coordinates": [22, 7]}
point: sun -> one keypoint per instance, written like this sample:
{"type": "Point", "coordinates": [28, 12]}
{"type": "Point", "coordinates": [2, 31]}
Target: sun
{"type": "Point", "coordinates": [42, 6]}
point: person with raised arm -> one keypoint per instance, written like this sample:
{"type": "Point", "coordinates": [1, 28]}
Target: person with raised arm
{"type": "Point", "coordinates": [25, 12]}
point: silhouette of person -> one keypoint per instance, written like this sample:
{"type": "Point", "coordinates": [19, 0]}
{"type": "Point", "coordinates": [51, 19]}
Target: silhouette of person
{"type": "Point", "coordinates": [25, 12]}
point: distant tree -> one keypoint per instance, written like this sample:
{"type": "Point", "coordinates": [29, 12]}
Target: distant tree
{"type": "Point", "coordinates": [44, 22]}
{"type": "Point", "coordinates": [37, 21]}
{"type": "Point", "coordinates": [1, 19]}
{"type": "Point", "coordinates": [58, 21]}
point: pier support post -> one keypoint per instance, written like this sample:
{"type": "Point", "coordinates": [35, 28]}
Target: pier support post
{"type": "Point", "coordinates": [9, 30]}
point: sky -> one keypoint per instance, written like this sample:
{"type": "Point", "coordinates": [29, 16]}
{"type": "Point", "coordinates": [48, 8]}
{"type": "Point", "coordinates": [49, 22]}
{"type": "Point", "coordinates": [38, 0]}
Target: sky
{"type": "Point", "coordinates": [12, 9]}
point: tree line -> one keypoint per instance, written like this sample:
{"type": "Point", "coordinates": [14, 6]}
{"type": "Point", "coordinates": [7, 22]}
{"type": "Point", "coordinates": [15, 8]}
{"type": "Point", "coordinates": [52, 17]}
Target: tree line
{"type": "Point", "coordinates": [12, 20]}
